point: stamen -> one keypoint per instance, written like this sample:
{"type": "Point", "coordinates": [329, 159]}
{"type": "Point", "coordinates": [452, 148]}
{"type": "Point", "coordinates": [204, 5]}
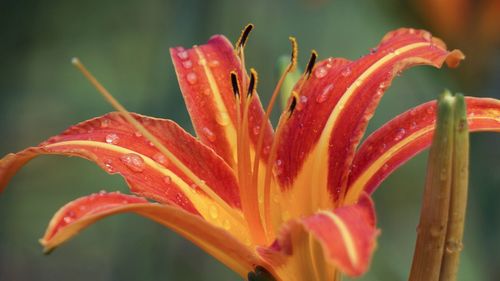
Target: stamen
{"type": "Point", "coordinates": [311, 63]}
{"type": "Point", "coordinates": [293, 103]}
{"type": "Point", "coordinates": [149, 136]}
{"type": "Point", "coordinates": [235, 83]}
{"type": "Point", "coordinates": [262, 193]}
{"type": "Point", "coordinates": [248, 194]}
{"type": "Point", "coordinates": [242, 40]}
{"type": "Point", "coordinates": [254, 79]}
{"type": "Point", "coordinates": [294, 56]}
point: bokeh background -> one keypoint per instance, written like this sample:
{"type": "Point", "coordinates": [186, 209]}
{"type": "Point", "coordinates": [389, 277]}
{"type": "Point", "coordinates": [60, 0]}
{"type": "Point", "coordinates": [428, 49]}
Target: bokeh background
{"type": "Point", "coordinates": [125, 43]}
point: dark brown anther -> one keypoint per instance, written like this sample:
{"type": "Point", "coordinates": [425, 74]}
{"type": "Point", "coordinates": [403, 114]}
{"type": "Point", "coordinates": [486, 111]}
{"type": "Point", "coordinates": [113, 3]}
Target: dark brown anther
{"type": "Point", "coordinates": [311, 63]}
{"type": "Point", "coordinates": [293, 104]}
{"type": "Point", "coordinates": [254, 78]}
{"type": "Point", "coordinates": [294, 55]}
{"type": "Point", "coordinates": [244, 36]}
{"type": "Point", "coordinates": [235, 84]}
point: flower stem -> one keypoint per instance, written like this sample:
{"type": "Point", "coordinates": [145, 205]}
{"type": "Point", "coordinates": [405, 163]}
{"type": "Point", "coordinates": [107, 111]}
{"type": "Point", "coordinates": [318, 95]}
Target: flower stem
{"type": "Point", "coordinates": [458, 198]}
{"type": "Point", "coordinates": [442, 217]}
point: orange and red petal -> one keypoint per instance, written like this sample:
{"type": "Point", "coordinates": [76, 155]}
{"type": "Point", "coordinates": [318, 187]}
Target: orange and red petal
{"type": "Point", "coordinates": [406, 135]}
{"type": "Point", "coordinates": [204, 78]}
{"type": "Point", "coordinates": [337, 101]}
{"type": "Point", "coordinates": [117, 147]}
{"type": "Point", "coordinates": [346, 235]}
{"type": "Point", "coordinates": [81, 213]}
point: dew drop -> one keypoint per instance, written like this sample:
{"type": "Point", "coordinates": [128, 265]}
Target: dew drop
{"type": "Point", "coordinates": [67, 219]}
{"type": "Point", "coordinates": [385, 167]}
{"type": "Point", "coordinates": [207, 92]}
{"type": "Point", "coordinates": [191, 78]}
{"type": "Point", "coordinates": [400, 134]}
{"type": "Point", "coordinates": [160, 158]}
{"type": "Point", "coordinates": [187, 64]}
{"type": "Point", "coordinates": [112, 138]}
{"type": "Point", "coordinates": [278, 167]}
{"type": "Point", "coordinates": [303, 99]}
{"type": "Point", "coordinates": [133, 161]}
{"type": "Point", "coordinates": [256, 130]}
{"type": "Point", "coordinates": [213, 63]}
{"type": "Point", "coordinates": [222, 118]}
{"type": "Point", "coordinates": [453, 247]}
{"type": "Point", "coordinates": [325, 94]}
{"type": "Point", "coordinates": [183, 55]}
{"type": "Point", "coordinates": [413, 125]}
{"type": "Point", "coordinates": [138, 134]}
{"type": "Point", "coordinates": [346, 71]}
{"type": "Point", "coordinates": [213, 211]}
{"type": "Point", "coordinates": [266, 149]}
{"type": "Point", "coordinates": [109, 165]}
{"type": "Point", "coordinates": [209, 134]}
{"type": "Point", "coordinates": [320, 72]}
{"type": "Point", "coordinates": [105, 123]}
{"type": "Point", "coordinates": [427, 36]}
{"type": "Point", "coordinates": [167, 180]}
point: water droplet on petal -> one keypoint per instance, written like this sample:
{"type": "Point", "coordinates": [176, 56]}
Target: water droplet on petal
{"type": "Point", "coordinates": [325, 94]}
{"type": "Point", "coordinates": [67, 219]}
{"type": "Point", "coordinates": [138, 134]}
{"type": "Point", "coordinates": [413, 125]}
{"type": "Point", "coordinates": [320, 72]}
{"type": "Point", "coordinates": [183, 55]}
{"type": "Point", "coordinates": [346, 72]}
{"type": "Point", "coordinates": [278, 167]}
{"type": "Point", "coordinates": [191, 78]}
{"type": "Point", "coordinates": [133, 161]}
{"type": "Point", "coordinates": [222, 118]}
{"type": "Point", "coordinates": [187, 64]}
{"type": "Point", "coordinates": [167, 180]}
{"type": "Point", "coordinates": [256, 130]}
{"type": "Point", "coordinates": [112, 138]}
{"type": "Point", "coordinates": [207, 92]}
{"type": "Point", "coordinates": [303, 99]}
{"type": "Point", "coordinates": [385, 167]}
{"type": "Point", "coordinates": [209, 134]}
{"type": "Point", "coordinates": [427, 36]}
{"type": "Point", "coordinates": [213, 211]}
{"type": "Point", "coordinates": [213, 63]}
{"type": "Point", "coordinates": [109, 165]}
{"type": "Point", "coordinates": [160, 158]}
{"type": "Point", "coordinates": [266, 149]}
{"type": "Point", "coordinates": [400, 134]}
{"type": "Point", "coordinates": [105, 123]}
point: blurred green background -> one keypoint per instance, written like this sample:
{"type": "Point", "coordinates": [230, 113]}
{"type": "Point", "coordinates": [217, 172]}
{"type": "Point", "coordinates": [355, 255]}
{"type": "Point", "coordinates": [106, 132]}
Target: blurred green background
{"type": "Point", "coordinates": [125, 43]}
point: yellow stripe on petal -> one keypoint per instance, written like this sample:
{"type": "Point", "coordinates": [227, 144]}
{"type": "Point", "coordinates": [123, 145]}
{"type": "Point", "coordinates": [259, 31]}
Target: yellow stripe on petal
{"type": "Point", "coordinates": [346, 237]}
{"type": "Point", "coordinates": [216, 215]}
{"type": "Point", "coordinates": [222, 114]}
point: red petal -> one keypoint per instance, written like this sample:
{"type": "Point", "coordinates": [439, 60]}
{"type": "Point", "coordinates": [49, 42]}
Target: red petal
{"type": "Point", "coordinates": [406, 135]}
{"type": "Point", "coordinates": [204, 78]}
{"type": "Point", "coordinates": [338, 100]}
{"type": "Point", "coordinates": [79, 214]}
{"type": "Point", "coordinates": [347, 236]}
{"type": "Point", "coordinates": [113, 143]}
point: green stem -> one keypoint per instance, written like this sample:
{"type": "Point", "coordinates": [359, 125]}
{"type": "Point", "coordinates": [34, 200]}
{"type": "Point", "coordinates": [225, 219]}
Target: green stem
{"type": "Point", "coordinates": [431, 234]}
{"type": "Point", "coordinates": [458, 200]}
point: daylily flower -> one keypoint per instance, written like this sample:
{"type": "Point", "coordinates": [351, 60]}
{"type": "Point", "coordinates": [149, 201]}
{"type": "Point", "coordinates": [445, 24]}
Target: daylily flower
{"type": "Point", "coordinates": [293, 203]}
